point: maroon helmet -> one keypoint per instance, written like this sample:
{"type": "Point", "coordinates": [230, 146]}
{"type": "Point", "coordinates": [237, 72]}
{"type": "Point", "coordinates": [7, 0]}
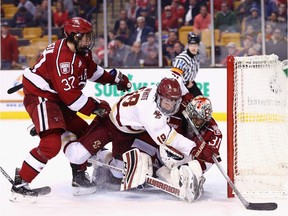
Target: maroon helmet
{"type": "Point", "coordinates": [170, 90]}
{"type": "Point", "coordinates": [79, 27]}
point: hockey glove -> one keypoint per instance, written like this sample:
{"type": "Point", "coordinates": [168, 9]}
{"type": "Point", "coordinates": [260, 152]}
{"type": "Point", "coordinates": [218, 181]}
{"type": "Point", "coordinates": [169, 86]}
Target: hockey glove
{"type": "Point", "coordinates": [121, 80]}
{"type": "Point", "coordinates": [102, 108]}
{"type": "Point", "coordinates": [205, 152]}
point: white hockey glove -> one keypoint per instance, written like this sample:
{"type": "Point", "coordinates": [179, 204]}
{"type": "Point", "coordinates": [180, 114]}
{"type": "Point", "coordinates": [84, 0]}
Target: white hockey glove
{"type": "Point", "coordinates": [170, 156]}
{"type": "Point", "coordinates": [136, 166]}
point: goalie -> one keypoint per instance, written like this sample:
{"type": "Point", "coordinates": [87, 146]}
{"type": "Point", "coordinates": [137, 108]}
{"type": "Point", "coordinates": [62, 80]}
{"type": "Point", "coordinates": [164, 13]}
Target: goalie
{"type": "Point", "coordinates": [180, 170]}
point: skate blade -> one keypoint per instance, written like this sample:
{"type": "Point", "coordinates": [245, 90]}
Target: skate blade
{"type": "Point", "coordinates": [79, 191]}
{"type": "Point", "coordinates": [19, 198]}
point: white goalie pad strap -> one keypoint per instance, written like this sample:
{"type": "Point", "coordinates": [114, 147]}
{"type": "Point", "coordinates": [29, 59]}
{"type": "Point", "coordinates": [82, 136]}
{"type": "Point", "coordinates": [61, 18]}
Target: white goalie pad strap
{"type": "Point", "coordinates": [117, 163]}
{"type": "Point", "coordinates": [170, 156]}
{"type": "Point", "coordinates": [67, 136]}
{"type": "Point", "coordinates": [136, 166]}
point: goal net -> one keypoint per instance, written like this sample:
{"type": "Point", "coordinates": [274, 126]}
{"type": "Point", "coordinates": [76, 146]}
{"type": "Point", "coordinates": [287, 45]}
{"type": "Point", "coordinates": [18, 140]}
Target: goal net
{"type": "Point", "coordinates": [257, 125]}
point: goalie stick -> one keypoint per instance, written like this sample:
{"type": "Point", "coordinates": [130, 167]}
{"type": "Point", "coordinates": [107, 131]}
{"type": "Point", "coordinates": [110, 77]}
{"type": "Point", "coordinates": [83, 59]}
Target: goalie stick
{"type": "Point", "coordinates": [154, 182]}
{"type": "Point", "coordinates": [248, 205]}
{"type": "Point", "coordinates": [40, 191]}
{"type": "Point", "coordinates": [15, 88]}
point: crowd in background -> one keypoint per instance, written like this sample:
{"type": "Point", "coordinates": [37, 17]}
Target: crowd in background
{"type": "Point", "coordinates": [133, 42]}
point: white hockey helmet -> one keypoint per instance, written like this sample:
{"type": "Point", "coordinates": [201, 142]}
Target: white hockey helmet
{"type": "Point", "coordinates": [199, 110]}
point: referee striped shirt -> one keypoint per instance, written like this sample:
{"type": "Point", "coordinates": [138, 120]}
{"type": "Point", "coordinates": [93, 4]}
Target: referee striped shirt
{"type": "Point", "coordinates": [187, 65]}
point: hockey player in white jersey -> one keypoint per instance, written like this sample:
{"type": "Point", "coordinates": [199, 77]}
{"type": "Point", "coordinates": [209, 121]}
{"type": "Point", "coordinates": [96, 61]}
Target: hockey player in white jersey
{"type": "Point", "coordinates": [185, 172]}
{"type": "Point", "coordinates": [146, 109]}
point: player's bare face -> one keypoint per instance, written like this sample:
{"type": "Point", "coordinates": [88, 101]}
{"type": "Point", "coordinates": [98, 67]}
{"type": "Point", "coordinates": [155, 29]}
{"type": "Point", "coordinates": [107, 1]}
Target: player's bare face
{"type": "Point", "coordinates": [167, 104]}
{"type": "Point", "coordinates": [193, 48]}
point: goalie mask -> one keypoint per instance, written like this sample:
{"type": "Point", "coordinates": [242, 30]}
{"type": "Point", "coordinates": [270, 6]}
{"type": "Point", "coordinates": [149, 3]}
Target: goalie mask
{"type": "Point", "coordinates": [79, 32]}
{"type": "Point", "coordinates": [199, 110]}
{"type": "Point", "coordinates": [168, 96]}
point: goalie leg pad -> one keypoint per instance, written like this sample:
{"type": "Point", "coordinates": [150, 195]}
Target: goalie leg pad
{"type": "Point", "coordinates": [136, 166]}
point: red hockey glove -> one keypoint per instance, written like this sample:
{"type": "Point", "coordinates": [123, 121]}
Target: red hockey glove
{"type": "Point", "coordinates": [204, 152]}
{"type": "Point", "coordinates": [121, 80]}
{"type": "Point", "coordinates": [102, 108]}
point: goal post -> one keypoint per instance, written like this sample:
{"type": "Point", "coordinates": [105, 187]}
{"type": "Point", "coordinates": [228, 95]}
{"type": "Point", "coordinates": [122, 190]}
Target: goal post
{"type": "Point", "coordinates": [257, 125]}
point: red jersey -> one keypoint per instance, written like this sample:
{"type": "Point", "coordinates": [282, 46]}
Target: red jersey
{"type": "Point", "coordinates": [9, 48]}
{"type": "Point", "coordinates": [60, 75]}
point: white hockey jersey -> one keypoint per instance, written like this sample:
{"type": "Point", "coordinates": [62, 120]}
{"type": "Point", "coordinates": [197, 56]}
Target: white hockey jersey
{"type": "Point", "coordinates": [137, 112]}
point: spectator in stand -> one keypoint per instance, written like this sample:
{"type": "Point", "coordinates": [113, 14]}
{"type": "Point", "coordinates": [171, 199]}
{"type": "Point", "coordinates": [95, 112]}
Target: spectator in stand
{"type": "Point", "coordinates": [192, 9]}
{"type": "Point", "coordinates": [247, 44]}
{"type": "Point", "coordinates": [273, 20]}
{"type": "Point", "coordinates": [270, 7]}
{"type": "Point", "coordinates": [282, 13]}
{"type": "Point", "coordinates": [252, 51]}
{"type": "Point", "coordinates": [114, 59]}
{"type": "Point", "coordinates": [177, 9]}
{"type": "Point", "coordinates": [111, 35]}
{"type": "Point", "coordinates": [68, 6]}
{"type": "Point", "coordinates": [168, 20]}
{"type": "Point", "coordinates": [121, 48]}
{"type": "Point", "coordinates": [169, 44]}
{"type": "Point", "coordinates": [253, 19]}
{"type": "Point", "coordinates": [226, 20]}
{"type": "Point", "coordinates": [98, 51]}
{"type": "Point", "coordinates": [41, 14]}
{"type": "Point", "coordinates": [152, 9]}
{"type": "Point", "coordinates": [150, 44]}
{"type": "Point", "coordinates": [141, 32]}
{"type": "Point", "coordinates": [231, 49]}
{"type": "Point", "coordinates": [250, 32]}
{"type": "Point", "coordinates": [202, 20]}
{"type": "Point", "coordinates": [124, 31]}
{"type": "Point", "coordinates": [268, 32]}
{"type": "Point", "coordinates": [151, 58]}
{"type": "Point", "coordinates": [123, 17]}
{"type": "Point", "coordinates": [150, 21]}
{"type": "Point", "coordinates": [142, 3]}
{"type": "Point", "coordinates": [277, 45]}
{"type": "Point", "coordinates": [28, 5]}
{"type": "Point", "coordinates": [60, 15]}
{"type": "Point", "coordinates": [136, 56]}
{"type": "Point", "coordinates": [177, 49]}
{"type": "Point", "coordinates": [132, 10]}
{"type": "Point", "coordinates": [22, 18]}
{"type": "Point", "coordinates": [243, 10]}
{"type": "Point", "coordinates": [218, 5]}
{"type": "Point", "coordinates": [9, 48]}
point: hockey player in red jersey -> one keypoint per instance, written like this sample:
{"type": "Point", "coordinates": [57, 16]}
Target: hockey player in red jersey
{"type": "Point", "coordinates": [53, 96]}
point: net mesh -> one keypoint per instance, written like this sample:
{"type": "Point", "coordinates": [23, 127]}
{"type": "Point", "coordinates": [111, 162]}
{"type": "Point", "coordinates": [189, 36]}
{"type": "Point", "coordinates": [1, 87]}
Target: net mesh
{"type": "Point", "coordinates": [260, 109]}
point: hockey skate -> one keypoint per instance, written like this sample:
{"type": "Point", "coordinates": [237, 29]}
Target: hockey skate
{"type": "Point", "coordinates": [21, 191]}
{"type": "Point", "coordinates": [82, 184]}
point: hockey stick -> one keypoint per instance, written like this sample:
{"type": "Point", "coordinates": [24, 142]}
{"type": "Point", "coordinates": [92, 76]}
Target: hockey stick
{"type": "Point", "coordinates": [15, 88]}
{"type": "Point", "coordinates": [154, 182]}
{"type": "Point", "coordinates": [6, 175]}
{"type": "Point", "coordinates": [248, 205]}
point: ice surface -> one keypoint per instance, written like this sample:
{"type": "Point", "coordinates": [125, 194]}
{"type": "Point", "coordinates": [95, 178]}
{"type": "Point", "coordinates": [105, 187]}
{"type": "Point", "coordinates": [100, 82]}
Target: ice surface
{"type": "Point", "coordinates": [16, 143]}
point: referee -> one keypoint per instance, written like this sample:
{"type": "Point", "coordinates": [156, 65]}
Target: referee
{"type": "Point", "coordinates": [187, 64]}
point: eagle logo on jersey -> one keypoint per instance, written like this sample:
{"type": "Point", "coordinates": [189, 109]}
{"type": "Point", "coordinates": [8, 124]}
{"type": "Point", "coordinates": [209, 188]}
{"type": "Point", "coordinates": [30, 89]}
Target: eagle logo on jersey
{"type": "Point", "coordinates": [65, 67]}
{"type": "Point", "coordinates": [157, 114]}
